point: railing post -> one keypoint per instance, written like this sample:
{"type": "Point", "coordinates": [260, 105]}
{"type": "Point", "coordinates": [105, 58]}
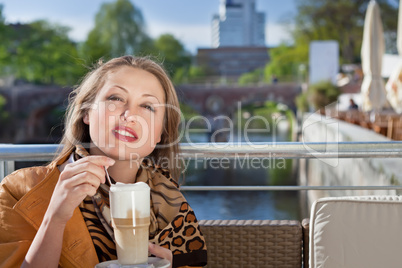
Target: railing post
{"type": "Point", "coordinates": [6, 167]}
{"type": "Point", "coordinates": [2, 170]}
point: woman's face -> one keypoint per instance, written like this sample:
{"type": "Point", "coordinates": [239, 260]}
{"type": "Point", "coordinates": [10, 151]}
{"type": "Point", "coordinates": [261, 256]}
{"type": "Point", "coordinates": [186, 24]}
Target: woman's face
{"type": "Point", "coordinates": [126, 119]}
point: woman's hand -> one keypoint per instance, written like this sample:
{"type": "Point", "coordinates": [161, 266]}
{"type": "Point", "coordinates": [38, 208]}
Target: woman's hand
{"type": "Point", "coordinates": [161, 252]}
{"type": "Point", "coordinates": [76, 181]}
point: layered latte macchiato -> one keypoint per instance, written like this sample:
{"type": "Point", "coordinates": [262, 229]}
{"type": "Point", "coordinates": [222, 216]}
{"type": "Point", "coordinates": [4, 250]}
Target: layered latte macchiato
{"type": "Point", "coordinates": [130, 211]}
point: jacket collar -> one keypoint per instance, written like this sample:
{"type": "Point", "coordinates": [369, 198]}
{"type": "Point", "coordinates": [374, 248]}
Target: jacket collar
{"type": "Point", "coordinates": [78, 249]}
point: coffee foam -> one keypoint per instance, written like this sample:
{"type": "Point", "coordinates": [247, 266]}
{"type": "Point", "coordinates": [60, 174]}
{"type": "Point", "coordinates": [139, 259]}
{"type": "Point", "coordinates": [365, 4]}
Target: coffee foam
{"type": "Point", "coordinates": [130, 200]}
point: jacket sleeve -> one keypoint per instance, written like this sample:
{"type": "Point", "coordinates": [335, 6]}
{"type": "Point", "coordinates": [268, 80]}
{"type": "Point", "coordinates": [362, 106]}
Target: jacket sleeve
{"type": "Point", "coordinates": [16, 235]}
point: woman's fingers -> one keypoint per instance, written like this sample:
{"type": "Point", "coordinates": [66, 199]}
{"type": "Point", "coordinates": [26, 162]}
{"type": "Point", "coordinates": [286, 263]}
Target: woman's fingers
{"type": "Point", "coordinates": [76, 181]}
{"type": "Point", "coordinates": [86, 189]}
{"type": "Point", "coordinates": [83, 179]}
{"type": "Point", "coordinates": [160, 252]}
{"type": "Point", "coordinates": [91, 164]}
{"type": "Point", "coordinates": [99, 160]}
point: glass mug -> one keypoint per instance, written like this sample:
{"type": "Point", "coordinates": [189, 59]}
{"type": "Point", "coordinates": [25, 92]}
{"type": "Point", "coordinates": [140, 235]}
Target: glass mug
{"type": "Point", "coordinates": [130, 212]}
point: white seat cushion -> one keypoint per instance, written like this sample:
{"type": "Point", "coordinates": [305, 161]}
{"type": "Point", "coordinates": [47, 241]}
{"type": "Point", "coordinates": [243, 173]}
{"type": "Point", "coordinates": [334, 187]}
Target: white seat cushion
{"type": "Point", "coordinates": [355, 232]}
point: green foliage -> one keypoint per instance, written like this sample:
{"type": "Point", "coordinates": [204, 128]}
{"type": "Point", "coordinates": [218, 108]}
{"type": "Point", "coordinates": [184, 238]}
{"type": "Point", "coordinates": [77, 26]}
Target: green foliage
{"type": "Point", "coordinates": [340, 20]}
{"type": "Point", "coordinates": [251, 77]}
{"type": "Point", "coordinates": [284, 62]}
{"type": "Point", "coordinates": [172, 52]}
{"type": "Point", "coordinates": [4, 115]}
{"type": "Point", "coordinates": [119, 30]}
{"type": "Point", "coordinates": [39, 52]}
{"type": "Point", "coordinates": [282, 175]}
{"type": "Point", "coordinates": [302, 102]}
{"type": "Point", "coordinates": [265, 113]}
{"type": "Point", "coordinates": [5, 42]}
{"type": "Point", "coordinates": [323, 94]}
{"type": "Point", "coordinates": [2, 18]}
{"type": "Point", "coordinates": [193, 74]}
{"type": "Point", "coordinates": [319, 95]}
{"type": "Point", "coordinates": [196, 72]}
{"type": "Point", "coordinates": [188, 111]}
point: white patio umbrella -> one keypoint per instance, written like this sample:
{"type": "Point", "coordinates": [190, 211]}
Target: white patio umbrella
{"type": "Point", "coordinates": [394, 84]}
{"type": "Point", "coordinates": [373, 47]}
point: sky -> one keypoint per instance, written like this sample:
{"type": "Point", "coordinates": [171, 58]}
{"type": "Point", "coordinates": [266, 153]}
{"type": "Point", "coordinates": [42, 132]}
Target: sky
{"type": "Point", "coordinates": [188, 20]}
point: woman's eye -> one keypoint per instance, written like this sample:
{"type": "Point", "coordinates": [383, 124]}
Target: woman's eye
{"type": "Point", "coordinates": [114, 98]}
{"type": "Point", "coordinates": [149, 107]}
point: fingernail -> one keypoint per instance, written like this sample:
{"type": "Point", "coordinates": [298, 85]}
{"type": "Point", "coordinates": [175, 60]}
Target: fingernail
{"type": "Point", "coordinates": [111, 161]}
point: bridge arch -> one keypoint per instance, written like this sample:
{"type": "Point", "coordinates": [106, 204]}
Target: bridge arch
{"type": "Point", "coordinates": [199, 97]}
{"type": "Point", "coordinates": [31, 106]}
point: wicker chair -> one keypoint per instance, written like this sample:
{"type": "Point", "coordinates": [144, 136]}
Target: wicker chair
{"type": "Point", "coordinates": [253, 243]}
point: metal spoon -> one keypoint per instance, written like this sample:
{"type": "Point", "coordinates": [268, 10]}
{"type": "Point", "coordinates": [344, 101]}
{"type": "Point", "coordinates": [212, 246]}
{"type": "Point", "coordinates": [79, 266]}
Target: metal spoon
{"type": "Point", "coordinates": [107, 176]}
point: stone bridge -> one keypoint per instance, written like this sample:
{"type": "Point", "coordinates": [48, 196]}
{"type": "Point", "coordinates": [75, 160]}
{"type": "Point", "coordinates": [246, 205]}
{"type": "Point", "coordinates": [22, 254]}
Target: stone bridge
{"type": "Point", "coordinates": [32, 105]}
{"type": "Point", "coordinates": [31, 108]}
{"type": "Point", "coordinates": [225, 99]}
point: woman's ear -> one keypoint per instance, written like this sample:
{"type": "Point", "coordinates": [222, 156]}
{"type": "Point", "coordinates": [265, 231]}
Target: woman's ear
{"type": "Point", "coordinates": [86, 118]}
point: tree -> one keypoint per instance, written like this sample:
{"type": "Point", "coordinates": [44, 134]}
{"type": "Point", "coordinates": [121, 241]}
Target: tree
{"type": "Point", "coordinates": [193, 74]}
{"type": "Point", "coordinates": [119, 29]}
{"type": "Point", "coordinates": [172, 53]}
{"type": "Point", "coordinates": [284, 62]}
{"type": "Point", "coordinates": [318, 95]}
{"type": "Point", "coordinates": [2, 18]}
{"type": "Point", "coordinates": [4, 115]}
{"type": "Point", "coordinates": [4, 44]}
{"type": "Point", "coordinates": [39, 52]}
{"type": "Point", "coordinates": [340, 20]}
{"type": "Point", "coordinates": [250, 78]}
{"type": "Point", "coordinates": [48, 55]}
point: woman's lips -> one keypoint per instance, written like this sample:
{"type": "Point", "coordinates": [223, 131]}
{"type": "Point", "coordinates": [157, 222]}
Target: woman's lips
{"type": "Point", "coordinates": [125, 134]}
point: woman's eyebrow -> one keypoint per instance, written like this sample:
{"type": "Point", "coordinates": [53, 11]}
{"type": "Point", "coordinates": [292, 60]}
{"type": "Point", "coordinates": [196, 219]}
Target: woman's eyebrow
{"type": "Point", "coordinates": [144, 95]}
{"type": "Point", "coordinates": [120, 87]}
{"type": "Point", "coordinates": [150, 95]}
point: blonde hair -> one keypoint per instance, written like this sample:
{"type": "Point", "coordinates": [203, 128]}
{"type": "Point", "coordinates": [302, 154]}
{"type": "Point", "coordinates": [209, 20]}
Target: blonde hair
{"type": "Point", "coordinates": [83, 97]}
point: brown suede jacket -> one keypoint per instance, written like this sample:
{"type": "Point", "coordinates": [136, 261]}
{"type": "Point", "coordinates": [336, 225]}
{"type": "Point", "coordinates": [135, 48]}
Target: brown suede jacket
{"type": "Point", "coordinates": [24, 197]}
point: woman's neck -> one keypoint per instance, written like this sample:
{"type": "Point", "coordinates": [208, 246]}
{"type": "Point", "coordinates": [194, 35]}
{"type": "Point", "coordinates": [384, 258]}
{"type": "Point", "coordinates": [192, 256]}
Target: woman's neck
{"type": "Point", "coordinates": [124, 171]}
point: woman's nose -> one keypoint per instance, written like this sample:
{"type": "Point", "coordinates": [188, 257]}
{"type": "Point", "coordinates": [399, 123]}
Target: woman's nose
{"type": "Point", "coordinates": [128, 116]}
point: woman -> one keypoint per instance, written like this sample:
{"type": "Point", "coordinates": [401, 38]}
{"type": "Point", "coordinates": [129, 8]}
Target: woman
{"type": "Point", "coordinates": [123, 117]}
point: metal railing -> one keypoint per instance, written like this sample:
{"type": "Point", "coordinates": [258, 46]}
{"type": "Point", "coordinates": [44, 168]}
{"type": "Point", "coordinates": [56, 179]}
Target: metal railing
{"type": "Point", "coordinates": [9, 153]}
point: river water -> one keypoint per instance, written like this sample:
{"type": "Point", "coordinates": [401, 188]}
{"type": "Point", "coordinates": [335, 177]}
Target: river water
{"type": "Point", "coordinates": [243, 205]}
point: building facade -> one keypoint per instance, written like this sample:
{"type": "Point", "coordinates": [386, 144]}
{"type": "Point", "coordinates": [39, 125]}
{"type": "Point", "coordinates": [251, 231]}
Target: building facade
{"type": "Point", "coordinates": [238, 24]}
{"type": "Point", "coordinates": [231, 62]}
